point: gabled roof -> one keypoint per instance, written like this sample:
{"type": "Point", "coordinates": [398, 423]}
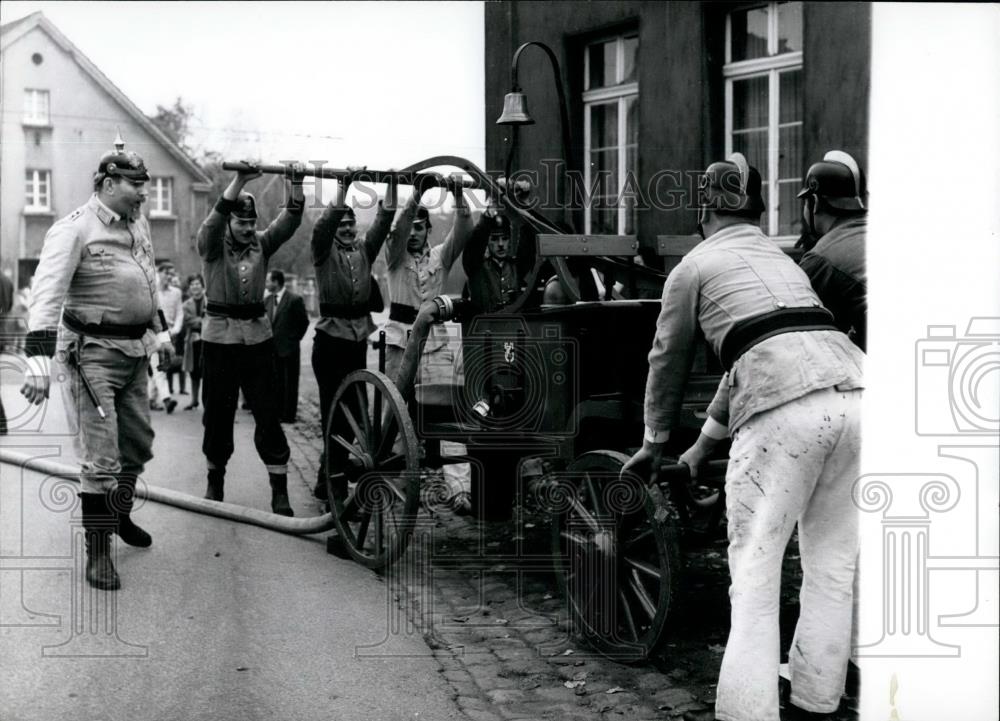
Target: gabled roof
{"type": "Point", "coordinates": [13, 31]}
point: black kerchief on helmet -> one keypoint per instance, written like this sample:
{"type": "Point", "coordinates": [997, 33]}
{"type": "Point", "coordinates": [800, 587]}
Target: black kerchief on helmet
{"type": "Point", "coordinates": [838, 180]}
{"type": "Point", "coordinates": [732, 186]}
{"type": "Point", "coordinates": [246, 207]}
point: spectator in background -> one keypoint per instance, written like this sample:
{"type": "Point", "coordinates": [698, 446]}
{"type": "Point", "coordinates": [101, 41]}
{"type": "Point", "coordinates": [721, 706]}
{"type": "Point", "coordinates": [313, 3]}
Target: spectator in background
{"type": "Point", "coordinates": [194, 312]}
{"type": "Point", "coordinates": [289, 323]}
{"type": "Point", "coordinates": [171, 300]}
{"type": "Point", "coordinates": [158, 386]}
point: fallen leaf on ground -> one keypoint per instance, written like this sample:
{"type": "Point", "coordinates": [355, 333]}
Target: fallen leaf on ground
{"type": "Point", "coordinates": [574, 684]}
{"type": "Point", "coordinates": [615, 689]}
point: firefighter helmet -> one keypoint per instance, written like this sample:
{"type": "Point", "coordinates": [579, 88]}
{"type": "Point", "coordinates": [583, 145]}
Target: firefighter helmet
{"type": "Point", "coordinates": [499, 224]}
{"type": "Point", "coordinates": [118, 163]}
{"type": "Point", "coordinates": [838, 180]}
{"type": "Point", "coordinates": [732, 186]}
{"type": "Point", "coordinates": [246, 207]}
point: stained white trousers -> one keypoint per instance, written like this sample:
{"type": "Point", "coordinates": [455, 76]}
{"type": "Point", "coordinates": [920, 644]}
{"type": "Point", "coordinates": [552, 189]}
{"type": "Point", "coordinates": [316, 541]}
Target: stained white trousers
{"type": "Point", "coordinates": [793, 464]}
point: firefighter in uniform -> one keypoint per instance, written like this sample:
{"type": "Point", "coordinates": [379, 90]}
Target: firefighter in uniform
{"type": "Point", "coordinates": [835, 213]}
{"type": "Point", "coordinates": [343, 265]}
{"type": "Point", "coordinates": [97, 275]}
{"type": "Point", "coordinates": [237, 344]}
{"type": "Point", "coordinates": [791, 401]}
{"type": "Point", "coordinates": [416, 274]}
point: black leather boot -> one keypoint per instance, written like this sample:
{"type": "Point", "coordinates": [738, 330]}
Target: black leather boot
{"type": "Point", "coordinates": [98, 523]}
{"type": "Point", "coordinates": [279, 494]}
{"type": "Point", "coordinates": [216, 480]}
{"type": "Point", "coordinates": [120, 500]}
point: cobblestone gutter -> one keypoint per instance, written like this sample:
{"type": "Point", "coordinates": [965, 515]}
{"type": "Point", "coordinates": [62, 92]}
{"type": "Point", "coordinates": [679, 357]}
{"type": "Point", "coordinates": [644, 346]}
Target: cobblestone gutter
{"type": "Point", "coordinates": [487, 605]}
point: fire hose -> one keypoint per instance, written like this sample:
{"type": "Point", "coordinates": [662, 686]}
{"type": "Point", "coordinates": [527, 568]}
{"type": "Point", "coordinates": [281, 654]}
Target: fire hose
{"type": "Point", "coordinates": [229, 511]}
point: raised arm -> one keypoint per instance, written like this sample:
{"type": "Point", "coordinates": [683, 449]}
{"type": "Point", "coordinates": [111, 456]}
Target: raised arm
{"type": "Point", "coordinates": [475, 248]}
{"type": "Point", "coordinates": [461, 229]}
{"type": "Point", "coordinates": [326, 227]}
{"type": "Point", "coordinates": [212, 233]}
{"type": "Point", "coordinates": [400, 235]}
{"type": "Point", "coordinates": [382, 231]}
{"type": "Point", "coordinates": [288, 221]}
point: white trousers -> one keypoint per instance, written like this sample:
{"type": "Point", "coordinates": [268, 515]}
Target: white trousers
{"type": "Point", "coordinates": [441, 365]}
{"type": "Point", "coordinates": [158, 387]}
{"type": "Point", "coordinates": [793, 464]}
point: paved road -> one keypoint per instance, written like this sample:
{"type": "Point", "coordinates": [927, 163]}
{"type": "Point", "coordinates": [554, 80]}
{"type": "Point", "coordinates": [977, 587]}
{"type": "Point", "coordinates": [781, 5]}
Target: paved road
{"type": "Point", "coordinates": [217, 620]}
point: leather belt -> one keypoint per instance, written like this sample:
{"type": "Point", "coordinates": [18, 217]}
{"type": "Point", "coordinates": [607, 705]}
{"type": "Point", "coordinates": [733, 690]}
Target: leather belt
{"type": "Point", "coordinates": [748, 333]}
{"type": "Point", "coordinates": [402, 313]}
{"type": "Point", "coordinates": [239, 311]}
{"type": "Point", "coordinates": [342, 310]}
{"type": "Point", "coordinates": [104, 330]}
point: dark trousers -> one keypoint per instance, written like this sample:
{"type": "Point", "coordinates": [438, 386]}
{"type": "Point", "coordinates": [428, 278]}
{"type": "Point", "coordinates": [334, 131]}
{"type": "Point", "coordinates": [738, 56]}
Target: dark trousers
{"type": "Point", "coordinates": [227, 369]}
{"type": "Point", "coordinates": [288, 384]}
{"type": "Point", "coordinates": [332, 360]}
{"type": "Point", "coordinates": [179, 350]}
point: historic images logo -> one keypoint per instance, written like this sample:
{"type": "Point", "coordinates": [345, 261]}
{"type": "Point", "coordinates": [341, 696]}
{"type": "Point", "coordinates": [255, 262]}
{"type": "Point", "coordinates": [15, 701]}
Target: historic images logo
{"type": "Point", "coordinates": [957, 396]}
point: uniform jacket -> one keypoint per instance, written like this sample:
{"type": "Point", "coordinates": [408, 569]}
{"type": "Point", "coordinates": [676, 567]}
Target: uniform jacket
{"type": "Point", "coordinates": [99, 266]}
{"type": "Point", "coordinates": [416, 278]}
{"type": "Point", "coordinates": [836, 267]}
{"type": "Point", "coordinates": [289, 321]}
{"type": "Point", "coordinates": [235, 273]}
{"type": "Point", "coordinates": [492, 284]}
{"type": "Point", "coordinates": [343, 274]}
{"type": "Point", "coordinates": [736, 274]}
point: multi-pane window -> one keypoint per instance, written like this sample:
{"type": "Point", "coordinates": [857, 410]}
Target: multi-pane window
{"type": "Point", "coordinates": [161, 196]}
{"type": "Point", "coordinates": [36, 107]}
{"type": "Point", "coordinates": [763, 74]}
{"type": "Point", "coordinates": [38, 190]}
{"type": "Point", "coordinates": [611, 133]}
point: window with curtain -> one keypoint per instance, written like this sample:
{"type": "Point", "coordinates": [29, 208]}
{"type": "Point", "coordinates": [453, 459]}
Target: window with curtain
{"type": "Point", "coordinates": [161, 196]}
{"type": "Point", "coordinates": [763, 74]}
{"type": "Point", "coordinates": [611, 132]}
{"type": "Point", "coordinates": [38, 185]}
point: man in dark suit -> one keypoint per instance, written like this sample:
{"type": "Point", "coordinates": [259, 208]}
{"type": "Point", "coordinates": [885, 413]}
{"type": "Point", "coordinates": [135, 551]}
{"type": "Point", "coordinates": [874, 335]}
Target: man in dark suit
{"type": "Point", "coordinates": [289, 323]}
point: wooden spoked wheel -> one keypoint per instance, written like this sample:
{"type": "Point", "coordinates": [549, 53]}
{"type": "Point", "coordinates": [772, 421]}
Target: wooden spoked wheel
{"type": "Point", "coordinates": [619, 559]}
{"type": "Point", "coordinates": [372, 468]}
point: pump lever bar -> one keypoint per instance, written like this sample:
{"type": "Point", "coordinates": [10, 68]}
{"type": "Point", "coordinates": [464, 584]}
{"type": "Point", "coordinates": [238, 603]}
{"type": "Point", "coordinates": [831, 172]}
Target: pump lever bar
{"type": "Point", "coordinates": [403, 177]}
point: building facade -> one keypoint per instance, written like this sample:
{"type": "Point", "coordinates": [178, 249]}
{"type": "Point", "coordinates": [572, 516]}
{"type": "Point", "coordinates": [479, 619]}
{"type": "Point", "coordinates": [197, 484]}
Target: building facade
{"type": "Point", "coordinates": [60, 114]}
{"type": "Point", "coordinates": [655, 91]}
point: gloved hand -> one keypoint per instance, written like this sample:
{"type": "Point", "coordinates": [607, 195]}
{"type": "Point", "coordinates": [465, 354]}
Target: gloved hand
{"type": "Point", "coordinates": [36, 379]}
